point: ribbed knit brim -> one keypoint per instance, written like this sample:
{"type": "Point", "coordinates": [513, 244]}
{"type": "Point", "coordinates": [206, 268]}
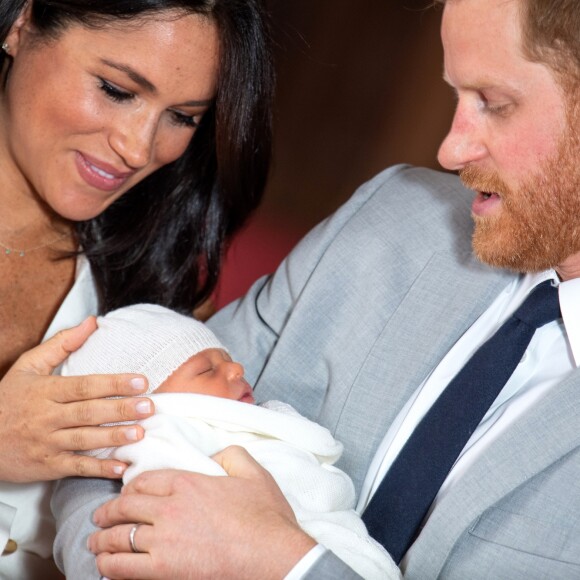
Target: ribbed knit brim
{"type": "Point", "coordinates": [145, 339]}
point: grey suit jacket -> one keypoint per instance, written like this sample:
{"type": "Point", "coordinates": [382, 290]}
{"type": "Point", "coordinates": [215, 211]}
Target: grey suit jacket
{"type": "Point", "coordinates": [347, 328]}
{"type": "Point", "coordinates": [351, 324]}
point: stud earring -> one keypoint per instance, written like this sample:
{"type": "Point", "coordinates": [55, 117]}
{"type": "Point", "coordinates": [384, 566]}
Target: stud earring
{"type": "Point", "coordinates": [5, 47]}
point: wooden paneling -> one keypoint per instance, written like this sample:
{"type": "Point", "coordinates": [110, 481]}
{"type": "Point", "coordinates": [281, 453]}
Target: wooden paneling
{"type": "Point", "coordinates": [359, 88]}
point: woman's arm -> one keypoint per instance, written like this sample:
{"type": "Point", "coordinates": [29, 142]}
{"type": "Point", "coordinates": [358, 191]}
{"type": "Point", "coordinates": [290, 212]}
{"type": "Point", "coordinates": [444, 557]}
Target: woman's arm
{"type": "Point", "coordinates": [45, 419]}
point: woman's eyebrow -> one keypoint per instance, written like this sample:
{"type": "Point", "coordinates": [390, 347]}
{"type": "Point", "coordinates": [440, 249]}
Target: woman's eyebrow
{"type": "Point", "coordinates": [147, 84]}
{"type": "Point", "coordinates": [132, 74]}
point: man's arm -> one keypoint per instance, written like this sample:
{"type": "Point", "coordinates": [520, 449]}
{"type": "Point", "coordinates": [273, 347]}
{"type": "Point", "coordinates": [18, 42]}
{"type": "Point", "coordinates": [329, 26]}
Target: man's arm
{"type": "Point", "coordinates": [73, 502]}
{"type": "Point", "coordinates": [251, 326]}
{"type": "Point", "coordinates": [330, 567]}
{"type": "Point", "coordinates": [238, 526]}
{"type": "Point", "coordinates": [257, 526]}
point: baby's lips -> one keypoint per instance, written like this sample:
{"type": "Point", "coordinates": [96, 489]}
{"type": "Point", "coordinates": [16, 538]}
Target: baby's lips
{"type": "Point", "coordinates": [247, 394]}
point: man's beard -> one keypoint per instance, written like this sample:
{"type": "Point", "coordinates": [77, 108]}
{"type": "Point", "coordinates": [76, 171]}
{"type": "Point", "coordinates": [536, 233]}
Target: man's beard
{"type": "Point", "coordinates": [538, 225]}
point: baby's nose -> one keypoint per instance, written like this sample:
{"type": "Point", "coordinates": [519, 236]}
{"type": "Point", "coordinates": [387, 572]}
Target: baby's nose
{"type": "Point", "coordinates": [235, 370]}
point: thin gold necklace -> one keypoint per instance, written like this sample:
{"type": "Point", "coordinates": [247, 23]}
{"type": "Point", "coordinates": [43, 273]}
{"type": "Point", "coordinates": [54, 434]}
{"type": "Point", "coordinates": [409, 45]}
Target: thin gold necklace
{"type": "Point", "coordinates": [22, 252]}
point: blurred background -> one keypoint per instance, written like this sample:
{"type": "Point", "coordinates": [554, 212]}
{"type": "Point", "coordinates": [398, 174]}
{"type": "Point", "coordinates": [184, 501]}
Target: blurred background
{"type": "Point", "coordinates": [359, 88]}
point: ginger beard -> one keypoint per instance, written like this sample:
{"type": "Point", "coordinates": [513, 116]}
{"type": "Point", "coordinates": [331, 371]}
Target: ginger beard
{"type": "Point", "coordinates": [538, 225]}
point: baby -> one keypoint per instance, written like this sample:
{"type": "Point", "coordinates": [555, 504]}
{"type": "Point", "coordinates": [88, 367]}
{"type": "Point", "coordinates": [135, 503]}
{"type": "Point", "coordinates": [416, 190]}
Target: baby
{"type": "Point", "coordinates": [203, 404]}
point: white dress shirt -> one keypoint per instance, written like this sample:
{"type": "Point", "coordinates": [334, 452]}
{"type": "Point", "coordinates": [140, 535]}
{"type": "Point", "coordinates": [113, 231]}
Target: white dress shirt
{"type": "Point", "coordinates": [553, 352]}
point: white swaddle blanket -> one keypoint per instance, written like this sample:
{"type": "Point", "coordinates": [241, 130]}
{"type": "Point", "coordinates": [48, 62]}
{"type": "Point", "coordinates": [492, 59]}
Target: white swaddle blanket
{"type": "Point", "coordinates": [187, 429]}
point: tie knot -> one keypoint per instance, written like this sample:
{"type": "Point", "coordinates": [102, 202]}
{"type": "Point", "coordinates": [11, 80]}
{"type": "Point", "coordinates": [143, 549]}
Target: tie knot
{"type": "Point", "coordinates": [541, 306]}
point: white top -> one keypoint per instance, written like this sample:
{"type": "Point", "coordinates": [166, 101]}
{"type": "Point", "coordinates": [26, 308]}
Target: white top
{"type": "Point", "coordinates": [25, 515]}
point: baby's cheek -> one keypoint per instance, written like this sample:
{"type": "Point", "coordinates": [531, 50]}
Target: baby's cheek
{"type": "Point", "coordinates": [166, 387]}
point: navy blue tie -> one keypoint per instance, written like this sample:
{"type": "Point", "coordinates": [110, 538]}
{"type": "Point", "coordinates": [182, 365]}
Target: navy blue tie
{"type": "Point", "coordinates": [403, 498]}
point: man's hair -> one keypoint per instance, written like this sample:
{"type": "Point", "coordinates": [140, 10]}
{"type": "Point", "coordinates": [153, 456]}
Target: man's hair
{"type": "Point", "coordinates": [550, 34]}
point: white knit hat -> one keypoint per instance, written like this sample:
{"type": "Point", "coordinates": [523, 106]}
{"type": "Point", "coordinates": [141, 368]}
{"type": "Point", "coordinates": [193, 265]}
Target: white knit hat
{"type": "Point", "coordinates": [146, 339]}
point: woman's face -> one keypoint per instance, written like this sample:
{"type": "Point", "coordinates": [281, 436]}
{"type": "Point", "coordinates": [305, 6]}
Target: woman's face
{"type": "Point", "coordinates": [87, 116]}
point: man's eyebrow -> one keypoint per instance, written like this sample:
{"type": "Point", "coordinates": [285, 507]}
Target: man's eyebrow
{"type": "Point", "coordinates": [484, 84]}
{"type": "Point", "coordinates": [147, 84]}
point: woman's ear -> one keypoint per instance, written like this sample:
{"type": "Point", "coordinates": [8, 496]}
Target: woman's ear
{"type": "Point", "coordinates": [19, 31]}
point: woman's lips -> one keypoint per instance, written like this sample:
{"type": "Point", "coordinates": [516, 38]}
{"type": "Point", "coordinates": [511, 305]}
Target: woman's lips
{"type": "Point", "coordinates": [99, 174]}
{"type": "Point", "coordinates": [485, 203]}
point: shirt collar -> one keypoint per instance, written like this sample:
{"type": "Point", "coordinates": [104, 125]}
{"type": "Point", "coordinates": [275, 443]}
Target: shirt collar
{"type": "Point", "coordinates": [569, 297]}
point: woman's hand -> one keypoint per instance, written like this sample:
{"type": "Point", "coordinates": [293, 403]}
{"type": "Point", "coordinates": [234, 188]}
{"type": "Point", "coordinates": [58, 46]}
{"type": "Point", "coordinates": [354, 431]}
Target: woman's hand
{"type": "Point", "coordinates": [199, 526]}
{"type": "Point", "coordinates": [44, 419]}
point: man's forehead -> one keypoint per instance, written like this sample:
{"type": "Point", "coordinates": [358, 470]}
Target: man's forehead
{"type": "Point", "coordinates": [450, 2]}
{"type": "Point", "coordinates": [484, 51]}
{"type": "Point", "coordinates": [492, 26]}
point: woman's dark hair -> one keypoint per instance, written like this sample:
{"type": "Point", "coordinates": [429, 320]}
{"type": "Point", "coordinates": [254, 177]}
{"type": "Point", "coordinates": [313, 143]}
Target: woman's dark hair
{"type": "Point", "coordinates": [164, 239]}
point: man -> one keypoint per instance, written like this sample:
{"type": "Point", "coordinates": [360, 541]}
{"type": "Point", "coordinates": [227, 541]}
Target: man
{"type": "Point", "coordinates": [376, 311]}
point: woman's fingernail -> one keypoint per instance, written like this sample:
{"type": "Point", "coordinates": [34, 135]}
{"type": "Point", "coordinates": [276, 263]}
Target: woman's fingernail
{"type": "Point", "coordinates": [143, 407]}
{"type": "Point", "coordinates": [138, 384]}
{"type": "Point", "coordinates": [118, 469]}
{"type": "Point", "coordinates": [131, 433]}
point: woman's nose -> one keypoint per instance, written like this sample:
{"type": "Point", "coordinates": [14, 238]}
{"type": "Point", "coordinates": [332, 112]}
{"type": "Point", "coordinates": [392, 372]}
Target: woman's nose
{"type": "Point", "coordinates": [133, 140]}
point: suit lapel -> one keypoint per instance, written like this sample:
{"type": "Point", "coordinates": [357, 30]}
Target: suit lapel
{"type": "Point", "coordinates": [550, 429]}
{"type": "Point", "coordinates": [434, 312]}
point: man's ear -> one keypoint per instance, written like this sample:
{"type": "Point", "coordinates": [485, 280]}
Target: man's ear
{"type": "Point", "coordinates": [19, 31]}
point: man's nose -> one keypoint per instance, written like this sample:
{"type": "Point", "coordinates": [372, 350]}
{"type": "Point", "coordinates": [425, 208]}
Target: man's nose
{"type": "Point", "coordinates": [463, 144]}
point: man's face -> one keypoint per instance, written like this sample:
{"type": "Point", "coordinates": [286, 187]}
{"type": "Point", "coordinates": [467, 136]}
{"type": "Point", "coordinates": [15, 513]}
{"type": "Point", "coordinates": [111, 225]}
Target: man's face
{"type": "Point", "coordinates": [512, 139]}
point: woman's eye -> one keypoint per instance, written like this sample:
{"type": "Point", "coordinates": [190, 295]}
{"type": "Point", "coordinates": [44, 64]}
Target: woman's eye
{"type": "Point", "coordinates": [114, 93]}
{"type": "Point", "coordinates": [185, 120]}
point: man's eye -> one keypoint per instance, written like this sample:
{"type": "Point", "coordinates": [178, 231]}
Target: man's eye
{"type": "Point", "coordinates": [114, 93]}
{"type": "Point", "coordinates": [498, 108]}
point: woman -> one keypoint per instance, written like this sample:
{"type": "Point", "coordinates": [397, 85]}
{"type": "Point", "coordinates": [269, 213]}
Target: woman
{"type": "Point", "coordinates": [134, 140]}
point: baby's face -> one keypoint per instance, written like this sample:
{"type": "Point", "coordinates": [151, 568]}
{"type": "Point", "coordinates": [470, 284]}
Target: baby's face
{"type": "Point", "coordinates": [210, 372]}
